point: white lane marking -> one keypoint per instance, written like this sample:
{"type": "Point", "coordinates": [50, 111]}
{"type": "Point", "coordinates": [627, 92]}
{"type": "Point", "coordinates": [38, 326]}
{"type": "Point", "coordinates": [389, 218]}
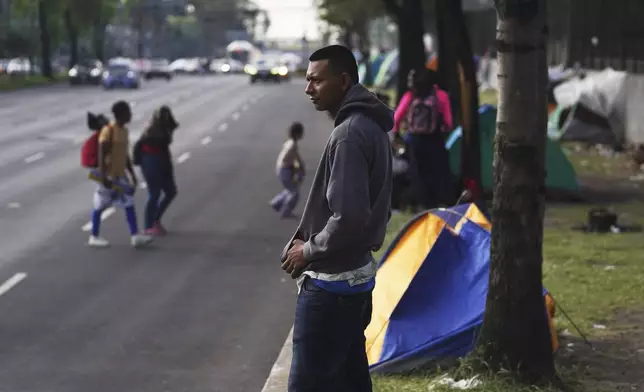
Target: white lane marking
{"type": "Point", "coordinates": [206, 140]}
{"type": "Point", "coordinates": [14, 280]}
{"type": "Point", "coordinates": [14, 205]}
{"type": "Point", "coordinates": [106, 214]}
{"type": "Point", "coordinates": [183, 157]}
{"type": "Point", "coordinates": [36, 157]}
{"type": "Point", "coordinates": [235, 116]}
{"type": "Point", "coordinates": [223, 127]}
{"type": "Point", "coordinates": [281, 367]}
{"type": "Point", "coordinates": [245, 107]}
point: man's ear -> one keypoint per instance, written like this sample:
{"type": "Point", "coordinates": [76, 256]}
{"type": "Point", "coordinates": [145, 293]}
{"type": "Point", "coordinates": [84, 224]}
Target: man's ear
{"type": "Point", "coordinates": [346, 81]}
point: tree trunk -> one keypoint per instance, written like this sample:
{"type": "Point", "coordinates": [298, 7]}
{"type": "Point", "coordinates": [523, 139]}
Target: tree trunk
{"type": "Point", "coordinates": [45, 43]}
{"type": "Point", "coordinates": [98, 39]}
{"type": "Point", "coordinates": [347, 37]}
{"type": "Point", "coordinates": [365, 49]}
{"type": "Point", "coordinates": [515, 334]}
{"type": "Point", "coordinates": [448, 56]}
{"type": "Point", "coordinates": [140, 47]}
{"type": "Point", "coordinates": [409, 18]}
{"type": "Point", "coordinates": [72, 35]}
{"type": "Point", "coordinates": [469, 103]}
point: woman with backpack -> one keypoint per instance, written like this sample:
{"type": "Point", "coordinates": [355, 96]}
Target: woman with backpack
{"type": "Point", "coordinates": [152, 153]}
{"type": "Point", "coordinates": [428, 112]}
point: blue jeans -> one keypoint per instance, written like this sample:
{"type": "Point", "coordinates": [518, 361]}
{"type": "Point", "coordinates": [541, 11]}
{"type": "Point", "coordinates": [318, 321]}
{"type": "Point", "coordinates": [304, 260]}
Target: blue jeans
{"type": "Point", "coordinates": [329, 351]}
{"type": "Point", "coordinates": [160, 179]}
{"type": "Point", "coordinates": [285, 201]}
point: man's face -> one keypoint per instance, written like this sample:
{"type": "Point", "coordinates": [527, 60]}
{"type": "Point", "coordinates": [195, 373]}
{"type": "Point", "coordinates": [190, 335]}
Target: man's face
{"type": "Point", "coordinates": [325, 88]}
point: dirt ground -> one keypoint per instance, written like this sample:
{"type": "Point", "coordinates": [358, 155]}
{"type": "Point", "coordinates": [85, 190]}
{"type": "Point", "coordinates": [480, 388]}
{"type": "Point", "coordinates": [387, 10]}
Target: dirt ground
{"type": "Point", "coordinates": [616, 360]}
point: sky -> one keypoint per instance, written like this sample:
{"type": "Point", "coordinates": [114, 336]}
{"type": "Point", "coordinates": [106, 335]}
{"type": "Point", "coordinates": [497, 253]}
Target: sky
{"type": "Point", "coordinates": [290, 18]}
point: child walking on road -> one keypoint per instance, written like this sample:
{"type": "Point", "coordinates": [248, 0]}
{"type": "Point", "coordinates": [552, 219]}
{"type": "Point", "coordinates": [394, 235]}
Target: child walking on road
{"type": "Point", "coordinates": [114, 187]}
{"type": "Point", "coordinates": [152, 153]}
{"type": "Point", "coordinates": [290, 172]}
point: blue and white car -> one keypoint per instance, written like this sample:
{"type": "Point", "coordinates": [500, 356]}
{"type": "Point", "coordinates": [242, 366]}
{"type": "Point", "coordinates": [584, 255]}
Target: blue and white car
{"type": "Point", "coordinates": [121, 75]}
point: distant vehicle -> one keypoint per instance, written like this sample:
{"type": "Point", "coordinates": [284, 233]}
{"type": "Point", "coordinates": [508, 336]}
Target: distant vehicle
{"type": "Point", "coordinates": [243, 51]}
{"type": "Point", "coordinates": [121, 75]}
{"type": "Point", "coordinates": [267, 69]}
{"type": "Point", "coordinates": [186, 65]}
{"type": "Point", "coordinates": [86, 72]}
{"type": "Point", "coordinates": [226, 66]}
{"type": "Point", "coordinates": [21, 66]}
{"type": "Point", "coordinates": [123, 61]}
{"type": "Point", "coordinates": [158, 68]}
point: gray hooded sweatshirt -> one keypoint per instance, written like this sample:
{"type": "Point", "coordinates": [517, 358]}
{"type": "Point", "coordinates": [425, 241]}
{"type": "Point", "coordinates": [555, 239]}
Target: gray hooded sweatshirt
{"type": "Point", "coordinates": [349, 204]}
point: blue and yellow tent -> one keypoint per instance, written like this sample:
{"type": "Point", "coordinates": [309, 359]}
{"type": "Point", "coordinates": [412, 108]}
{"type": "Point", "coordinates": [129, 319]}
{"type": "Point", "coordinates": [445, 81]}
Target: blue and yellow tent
{"type": "Point", "coordinates": [431, 289]}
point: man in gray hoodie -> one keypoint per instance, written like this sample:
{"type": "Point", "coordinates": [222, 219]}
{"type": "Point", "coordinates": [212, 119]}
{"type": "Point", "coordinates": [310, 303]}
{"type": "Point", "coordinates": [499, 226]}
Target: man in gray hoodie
{"type": "Point", "coordinates": [343, 222]}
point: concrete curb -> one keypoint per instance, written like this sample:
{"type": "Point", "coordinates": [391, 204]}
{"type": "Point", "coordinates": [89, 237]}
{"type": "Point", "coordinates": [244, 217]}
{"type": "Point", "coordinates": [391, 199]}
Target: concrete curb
{"type": "Point", "coordinates": [278, 377]}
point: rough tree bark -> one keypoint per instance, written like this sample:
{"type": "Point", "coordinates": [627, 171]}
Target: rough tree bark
{"type": "Point", "coordinates": [515, 334]}
{"type": "Point", "coordinates": [409, 18]}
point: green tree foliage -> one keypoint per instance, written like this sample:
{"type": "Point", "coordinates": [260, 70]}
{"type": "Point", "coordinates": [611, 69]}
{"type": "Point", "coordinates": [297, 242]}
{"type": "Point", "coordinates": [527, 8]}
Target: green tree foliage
{"type": "Point", "coordinates": [353, 17]}
{"type": "Point", "coordinates": [81, 17]}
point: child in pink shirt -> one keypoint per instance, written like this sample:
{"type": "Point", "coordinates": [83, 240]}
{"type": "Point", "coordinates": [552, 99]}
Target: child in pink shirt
{"type": "Point", "coordinates": [429, 119]}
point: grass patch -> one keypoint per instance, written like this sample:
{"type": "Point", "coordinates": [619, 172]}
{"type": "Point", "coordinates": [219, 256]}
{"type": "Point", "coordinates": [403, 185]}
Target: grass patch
{"type": "Point", "coordinates": [421, 382]}
{"type": "Point", "coordinates": [590, 162]}
{"type": "Point", "coordinates": [592, 275]}
{"type": "Point", "coordinates": [17, 82]}
{"type": "Point", "coordinates": [597, 278]}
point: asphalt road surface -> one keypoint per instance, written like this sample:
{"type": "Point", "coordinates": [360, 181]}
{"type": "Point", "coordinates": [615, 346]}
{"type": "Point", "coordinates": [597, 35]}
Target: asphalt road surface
{"type": "Point", "coordinates": [206, 308]}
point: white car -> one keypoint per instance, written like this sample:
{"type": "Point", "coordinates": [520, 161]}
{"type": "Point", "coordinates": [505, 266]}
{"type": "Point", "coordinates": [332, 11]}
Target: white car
{"type": "Point", "coordinates": [185, 65]}
{"type": "Point", "coordinates": [158, 68]}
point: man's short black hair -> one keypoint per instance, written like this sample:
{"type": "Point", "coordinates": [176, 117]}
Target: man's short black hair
{"type": "Point", "coordinates": [120, 107]}
{"type": "Point", "coordinates": [340, 59]}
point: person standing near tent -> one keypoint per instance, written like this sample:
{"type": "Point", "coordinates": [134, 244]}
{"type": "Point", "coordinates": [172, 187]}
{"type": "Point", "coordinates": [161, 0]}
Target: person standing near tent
{"type": "Point", "coordinates": [429, 119]}
{"type": "Point", "coordinates": [344, 221]}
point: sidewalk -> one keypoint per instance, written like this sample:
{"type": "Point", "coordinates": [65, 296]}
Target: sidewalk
{"type": "Point", "coordinates": [278, 378]}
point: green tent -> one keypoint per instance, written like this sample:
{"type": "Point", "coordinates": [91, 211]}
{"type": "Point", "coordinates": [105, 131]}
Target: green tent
{"type": "Point", "coordinates": [561, 177]}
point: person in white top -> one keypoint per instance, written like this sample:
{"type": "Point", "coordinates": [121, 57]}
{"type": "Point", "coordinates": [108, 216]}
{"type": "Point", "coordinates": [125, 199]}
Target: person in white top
{"type": "Point", "coordinates": [290, 171]}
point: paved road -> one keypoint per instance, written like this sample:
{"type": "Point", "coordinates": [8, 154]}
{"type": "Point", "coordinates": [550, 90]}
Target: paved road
{"type": "Point", "coordinates": [204, 309]}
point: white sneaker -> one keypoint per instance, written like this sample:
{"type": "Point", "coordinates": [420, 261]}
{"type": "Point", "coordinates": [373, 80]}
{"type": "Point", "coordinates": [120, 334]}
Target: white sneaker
{"type": "Point", "coordinates": [97, 242]}
{"type": "Point", "coordinates": [140, 240]}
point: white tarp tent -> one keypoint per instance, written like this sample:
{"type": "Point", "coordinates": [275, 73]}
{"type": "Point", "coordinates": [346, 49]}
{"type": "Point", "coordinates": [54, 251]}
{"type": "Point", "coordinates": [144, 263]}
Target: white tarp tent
{"type": "Point", "coordinates": [605, 94]}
